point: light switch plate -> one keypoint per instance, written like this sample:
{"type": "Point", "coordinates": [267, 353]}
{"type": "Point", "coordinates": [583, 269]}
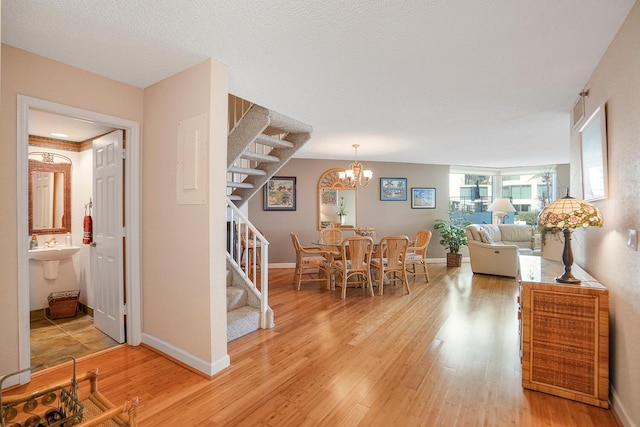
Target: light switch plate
{"type": "Point", "coordinates": [632, 240]}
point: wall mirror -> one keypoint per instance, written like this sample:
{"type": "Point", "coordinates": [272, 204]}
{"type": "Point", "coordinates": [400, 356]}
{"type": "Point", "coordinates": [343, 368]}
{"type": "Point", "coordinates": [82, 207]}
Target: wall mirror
{"type": "Point", "coordinates": [49, 194]}
{"type": "Point", "coordinates": [337, 203]}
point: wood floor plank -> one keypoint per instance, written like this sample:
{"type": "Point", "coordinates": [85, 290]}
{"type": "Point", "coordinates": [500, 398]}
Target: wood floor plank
{"type": "Point", "coordinates": [445, 355]}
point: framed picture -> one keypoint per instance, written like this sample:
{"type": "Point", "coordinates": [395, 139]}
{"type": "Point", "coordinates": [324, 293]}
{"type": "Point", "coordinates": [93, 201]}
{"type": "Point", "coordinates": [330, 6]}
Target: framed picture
{"type": "Point", "coordinates": [393, 188]}
{"type": "Point", "coordinates": [593, 136]}
{"type": "Point", "coordinates": [280, 194]}
{"type": "Point", "coordinates": [423, 198]}
{"type": "Point", "coordinates": [329, 197]}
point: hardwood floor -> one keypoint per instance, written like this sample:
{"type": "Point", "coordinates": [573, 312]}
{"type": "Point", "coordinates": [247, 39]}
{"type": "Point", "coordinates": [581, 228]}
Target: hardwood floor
{"type": "Point", "coordinates": [445, 355]}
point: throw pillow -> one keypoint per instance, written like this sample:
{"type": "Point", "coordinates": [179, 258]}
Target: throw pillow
{"type": "Point", "coordinates": [484, 236]}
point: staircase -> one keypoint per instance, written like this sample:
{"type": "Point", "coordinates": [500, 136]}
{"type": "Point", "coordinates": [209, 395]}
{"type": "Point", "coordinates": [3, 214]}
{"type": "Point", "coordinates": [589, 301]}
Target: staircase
{"type": "Point", "coordinates": [247, 276]}
{"type": "Point", "coordinates": [243, 307]}
{"type": "Point", "coordinates": [260, 142]}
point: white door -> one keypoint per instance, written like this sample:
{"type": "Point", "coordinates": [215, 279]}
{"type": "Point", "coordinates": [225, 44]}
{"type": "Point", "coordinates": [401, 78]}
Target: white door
{"type": "Point", "coordinates": [106, 252]}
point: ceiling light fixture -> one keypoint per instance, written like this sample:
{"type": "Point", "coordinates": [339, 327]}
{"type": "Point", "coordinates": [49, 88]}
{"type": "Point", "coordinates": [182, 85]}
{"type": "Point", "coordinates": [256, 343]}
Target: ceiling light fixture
{"type": "Point", "coordinates": [356, 174]}
{"type": "Point", "coordinates": [59, 135]}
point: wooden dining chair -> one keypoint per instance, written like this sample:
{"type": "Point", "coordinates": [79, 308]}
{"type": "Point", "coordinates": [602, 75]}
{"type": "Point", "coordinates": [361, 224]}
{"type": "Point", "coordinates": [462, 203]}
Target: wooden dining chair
{"type": "Point", "coordinates": [331, 235]}
{"type": "Point", "coordinates": [417, 254]}
{"type": "Point", "coordinates": [310, 260]}
{"type": "Point", "coordinates": [249, 246]}
{"type": "Point", "coordinates": [388, 261]}
{"type": "Point", "coordinates": [354, 262]}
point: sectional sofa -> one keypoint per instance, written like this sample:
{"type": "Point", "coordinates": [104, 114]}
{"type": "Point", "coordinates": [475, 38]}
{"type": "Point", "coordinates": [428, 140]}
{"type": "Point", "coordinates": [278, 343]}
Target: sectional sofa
{"type": "Point", "coordinates": [494, 249]}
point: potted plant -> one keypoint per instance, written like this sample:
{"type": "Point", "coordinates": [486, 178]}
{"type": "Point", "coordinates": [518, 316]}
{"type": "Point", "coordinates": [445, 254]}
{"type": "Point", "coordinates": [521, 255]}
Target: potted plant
{"type": "Point", "coordinates": [342, 213]}
{"type": "Point", "coordinates": [453, 236]}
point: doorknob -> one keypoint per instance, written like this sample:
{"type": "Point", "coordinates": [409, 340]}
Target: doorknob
{"type": "Point", "coordinates": [93, 244]}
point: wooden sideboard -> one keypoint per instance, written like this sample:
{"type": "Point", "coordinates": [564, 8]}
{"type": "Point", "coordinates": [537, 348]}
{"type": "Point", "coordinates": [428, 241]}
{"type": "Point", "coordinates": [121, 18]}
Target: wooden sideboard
{"type": "Point", "coordinates": [564, 332]}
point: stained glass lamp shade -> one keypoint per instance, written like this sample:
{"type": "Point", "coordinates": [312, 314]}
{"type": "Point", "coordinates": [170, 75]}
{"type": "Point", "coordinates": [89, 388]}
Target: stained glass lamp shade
{"type": "Point", "coordinates": [566, 214]}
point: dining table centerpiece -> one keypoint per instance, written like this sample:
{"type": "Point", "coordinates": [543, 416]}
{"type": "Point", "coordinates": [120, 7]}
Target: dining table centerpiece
{"type": "Point", "coordinates": [342, 212]}
{"type": "Point", "coordinates": [365, 231]}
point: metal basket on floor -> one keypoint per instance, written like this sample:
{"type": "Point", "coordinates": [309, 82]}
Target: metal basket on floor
{"type": "Point", "coordinates": [54, 406]}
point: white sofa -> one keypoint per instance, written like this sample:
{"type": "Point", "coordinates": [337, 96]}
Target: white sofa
{"type": "Point", "coordinates": [494, 249]}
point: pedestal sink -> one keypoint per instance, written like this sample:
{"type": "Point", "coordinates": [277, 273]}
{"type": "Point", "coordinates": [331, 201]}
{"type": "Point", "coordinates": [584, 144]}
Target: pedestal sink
{"type": "Point", "coordinates": [50, 258]}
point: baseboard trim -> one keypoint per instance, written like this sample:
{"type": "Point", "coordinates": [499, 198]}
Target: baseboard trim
{"type": "Point", "coordinates": [85, 309]}
{"type": "Point", "coordinates": [45, 313]}
{"type": "Point", "coordinates": [619, 413]}
{"type": "Point", "coordinates": [282, 265]}
{"type": "Point", "coordinates": [185, 359]}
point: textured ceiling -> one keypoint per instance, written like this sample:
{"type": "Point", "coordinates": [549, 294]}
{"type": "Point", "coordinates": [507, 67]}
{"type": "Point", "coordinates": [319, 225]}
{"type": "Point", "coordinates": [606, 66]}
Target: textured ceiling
{"type": "Point", "coordinates": [480, 83]}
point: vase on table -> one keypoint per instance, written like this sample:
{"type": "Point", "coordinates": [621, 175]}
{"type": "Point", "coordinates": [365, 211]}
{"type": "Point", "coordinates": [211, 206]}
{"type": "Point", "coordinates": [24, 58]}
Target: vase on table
{"type": "Point", "coordinates": [343, 219]}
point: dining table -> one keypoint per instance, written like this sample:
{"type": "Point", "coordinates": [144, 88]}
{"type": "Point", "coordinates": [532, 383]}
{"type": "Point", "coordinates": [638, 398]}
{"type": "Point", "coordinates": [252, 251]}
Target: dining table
{"type": "Point", "coordinates": [332, 254]}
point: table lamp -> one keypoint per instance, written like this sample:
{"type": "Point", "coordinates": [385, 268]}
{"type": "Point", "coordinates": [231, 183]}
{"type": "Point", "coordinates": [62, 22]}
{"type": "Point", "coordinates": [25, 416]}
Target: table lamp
{"type": "Point", "coordinates": [500, 207]}
{"type": "Point", "coordinates": [566, 214]}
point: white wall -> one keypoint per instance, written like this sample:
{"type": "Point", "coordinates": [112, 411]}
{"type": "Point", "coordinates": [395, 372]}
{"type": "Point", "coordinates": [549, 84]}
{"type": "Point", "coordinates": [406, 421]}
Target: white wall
{"type": "Point", "coordinates": [73, 272]}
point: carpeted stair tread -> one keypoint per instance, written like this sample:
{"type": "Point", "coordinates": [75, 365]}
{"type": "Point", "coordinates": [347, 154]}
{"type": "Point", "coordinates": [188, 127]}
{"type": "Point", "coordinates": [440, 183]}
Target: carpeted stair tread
{"type": "Point", "coordinates": [242, 321]}
{"type": "Point", "coordinates": [236, 297]}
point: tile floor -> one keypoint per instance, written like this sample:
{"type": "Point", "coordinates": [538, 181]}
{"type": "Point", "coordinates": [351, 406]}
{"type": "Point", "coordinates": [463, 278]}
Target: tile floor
{"type": "Point", "coordinates": [51, 339]}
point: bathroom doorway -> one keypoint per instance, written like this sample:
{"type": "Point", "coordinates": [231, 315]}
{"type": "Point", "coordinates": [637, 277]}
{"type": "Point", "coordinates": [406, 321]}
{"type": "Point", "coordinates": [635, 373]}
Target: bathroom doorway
{"type": "Point", "coordinates": [64, 143]}
{"type": "Point", "coordinates": [79, 328]}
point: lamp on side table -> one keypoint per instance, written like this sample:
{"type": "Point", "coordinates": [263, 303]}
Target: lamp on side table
{"type": "Point", "coordinates": [566, 214]}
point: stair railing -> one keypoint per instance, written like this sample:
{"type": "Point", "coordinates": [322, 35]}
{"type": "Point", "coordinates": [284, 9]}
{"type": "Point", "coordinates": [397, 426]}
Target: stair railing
{"type": "Point", "coordinates": [248, 249]}
{"type": "Point", "coordinates": [238, 107]}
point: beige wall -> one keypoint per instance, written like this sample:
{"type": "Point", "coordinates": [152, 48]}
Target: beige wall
{"type": "Point", "coordinates": [177, 315]}
{"type": "Point", "coordinates": [31, 75]}
{"type": "Point", "coordinates": [184, 307]}
{"type": "Point", "coordinates": [603, 252]}
{"type": "Point", "coordinates": [387, 217]}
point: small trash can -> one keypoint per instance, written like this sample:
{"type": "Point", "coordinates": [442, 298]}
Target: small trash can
{"type": "Point", "coordinates": [63, 304]}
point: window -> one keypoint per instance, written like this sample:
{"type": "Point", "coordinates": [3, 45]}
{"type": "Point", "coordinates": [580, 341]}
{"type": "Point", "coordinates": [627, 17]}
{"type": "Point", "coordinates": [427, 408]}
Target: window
{"type": "Point", "coordinates": [516, 191]}
{"type": "Point", "coordinates": [468, 192]}
{"type": "Point", "coordinates": [528, 189]}
{"type": "Point", "coordinates": [522, 208]}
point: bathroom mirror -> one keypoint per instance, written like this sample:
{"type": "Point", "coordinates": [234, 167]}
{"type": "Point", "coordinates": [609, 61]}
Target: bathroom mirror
{"type": "Point", "coordinates": [49, 194]}
{"type": "Point", "coordinates": [335, 199]}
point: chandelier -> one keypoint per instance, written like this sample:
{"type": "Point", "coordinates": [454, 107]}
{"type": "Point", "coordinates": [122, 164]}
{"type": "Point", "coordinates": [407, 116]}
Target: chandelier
{"type": "Point", "coordinates": [355, 174]}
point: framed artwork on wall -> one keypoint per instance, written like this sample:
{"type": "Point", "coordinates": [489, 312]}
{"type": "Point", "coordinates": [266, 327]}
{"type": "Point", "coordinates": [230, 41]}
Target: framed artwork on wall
{"type": "Point", "coordinates": [329, 197]}
{"type": "Point", "coordinates": [593, 136]}
{"type": "Point", "coordinates": [280, 194]}
{"type": "Point", "coordinates": [393, 189]}
{"type": "Point", "coordinates": [423, 198]}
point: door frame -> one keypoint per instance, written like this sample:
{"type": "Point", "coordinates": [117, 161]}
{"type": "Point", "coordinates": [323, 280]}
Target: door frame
{"type": "Point", "coordinates": [132, 215]}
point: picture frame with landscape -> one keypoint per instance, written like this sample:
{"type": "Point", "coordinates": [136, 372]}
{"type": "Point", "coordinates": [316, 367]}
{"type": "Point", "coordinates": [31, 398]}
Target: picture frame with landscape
{"type": "Point", "coordinates": [393, 189]}
{"type": "Point", "coordinates": [280, 194]}
{"type": "Point", "coordinates": [423, 198]}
